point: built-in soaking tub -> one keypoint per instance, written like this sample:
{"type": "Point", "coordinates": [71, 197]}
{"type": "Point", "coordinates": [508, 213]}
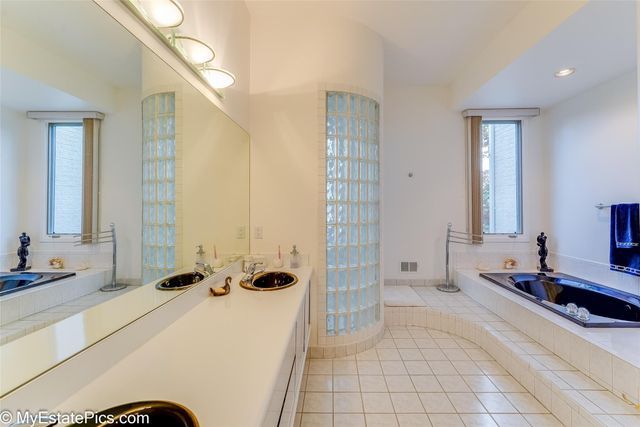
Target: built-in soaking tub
{"type": "Point", "coordinates": [15, 282]}
{"type": "Point", "coordinates": [608, 308]}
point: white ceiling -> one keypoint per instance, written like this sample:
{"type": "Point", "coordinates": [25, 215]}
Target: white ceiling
{"type": "Point", "coordinates": [599, 41]}
{"type": "Point", "coordinates": [425, 42]}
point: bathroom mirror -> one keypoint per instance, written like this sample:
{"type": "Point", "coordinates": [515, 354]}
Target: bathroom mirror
{"type": "Point", "coordinates": [98, 130]}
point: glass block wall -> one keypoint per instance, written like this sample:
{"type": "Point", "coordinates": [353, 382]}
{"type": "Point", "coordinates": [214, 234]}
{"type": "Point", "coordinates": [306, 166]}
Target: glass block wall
{"type": "Point", "coordinates": [352, 221]}
{"type": "Point", "coordinates": [158, 186]}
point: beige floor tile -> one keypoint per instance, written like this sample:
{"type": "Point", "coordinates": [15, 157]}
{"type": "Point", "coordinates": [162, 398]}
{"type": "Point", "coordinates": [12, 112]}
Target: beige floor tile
{"type": "Point", "coordinates": [426, 383]}
{"type": "Point", "coordinates": [372, 383]}
{"type": "Point", "coordinates": [478, 420]}
{"type": "Point", "coordinates": [506, 383]}
{"type": "Point", "coordinates": [300, 401]}
{"type": "Point", "coordinates": [393, 367]}
{"type": "Point", "coordinates": [399, 384]}
{"type": "Point", "coordinates": [425, 343]}
{"type": "Point", "coordinates": [446, 343]}
{"type": "Point", "coordinates": [381, 420]}
{"type": "Point", "coordinates": [400, 333]}
{"type": "Point", "coordinates": [480, 383]}
{"type": "Point", "coordinates": [413, 420]}
{"type": "Point", "coordinates": [369, 367]}
{"type": "Point", "coordinates": [467, 367]}
{"type": "Point", "coordinates": [491, 367]}
{"type": "Point", "coordinates": [347, 403]}
{"type": "Point", "coordinates": [388, 354]}
{"type": "Point", "coordinates": [386, 343]}
{"type": "Point", "coordinates": [433, 354]}
{"type": "Point", "coordinates": [542, 420]}
{"type": "Point", "coordinates": [442, 367]}
{"type": "Point", "coordinates": [319, 383]}
{"type": "Point", "coordinates": [478, 354]}
{"type": "Point", "coordinates": [318, 402]}
{"type": "Point", "coordinates": [349, 420]}
{"type": "Point", "coordinates": [496, 403]}
{"type": "Point", "coordinates": [453, 383]}
{"type": "Point", "coordinates": [438, 334]}
{"type": "Point", "coordinates": [405, 343]}
{"type": "Point", "coordinates": [419, 333]}
{"type": "Point", "coordinates": [436, 403]}
{"type": "Point", "coordinates": [525, 403]}
{"type": "Point", "coordinates": [510, 420]}
{"type": "Point", "coordinates": [345, 367]}
{"type": "Point", "coordinates": [346, 383]}
{"type": "Point", "coordinates": [417, 367]}
{"type": "Point", "coordinates": [455, 354]}
{"type": "Point", "coordinates": [466, 403]}
{"type": "Point", "coordinates": [370, 354]}
{"type": "Point", "coordinates": [377, 403]}
{"type": "Point", "coordinates": [410, 354]}
{"type": "Point", "coordinates": [406, 403]}
{"type": "Point", "coordinates": [446, 420]}
{"type": "Point", "coordinates": [316, 420]}
{"type": "Point", "coordinates": [320, 367]}
{"type": "Point", "coordinates": [578, 380]}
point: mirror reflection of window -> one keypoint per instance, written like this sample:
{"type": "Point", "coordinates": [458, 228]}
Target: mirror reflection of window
{"type": "Point", "coordinates": [65, 178]}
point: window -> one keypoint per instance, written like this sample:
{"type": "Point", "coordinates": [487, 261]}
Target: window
{"type": "Point", "coordinates": [65, 195]}
{"type": "Point", "coordinates": [352, 230]}
{"type": "Point", "coordinates": [501, 180]}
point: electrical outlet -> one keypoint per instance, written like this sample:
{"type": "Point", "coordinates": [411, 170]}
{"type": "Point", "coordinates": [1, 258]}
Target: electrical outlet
{"type": "Point", "coordinates": [241, 232]}
{"type": "Point", "coordinates": [257, 232]}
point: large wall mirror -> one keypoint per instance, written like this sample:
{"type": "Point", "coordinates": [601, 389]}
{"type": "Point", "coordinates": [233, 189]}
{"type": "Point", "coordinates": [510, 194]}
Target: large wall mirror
{"type": "Point", "coordinates": [102, 141]}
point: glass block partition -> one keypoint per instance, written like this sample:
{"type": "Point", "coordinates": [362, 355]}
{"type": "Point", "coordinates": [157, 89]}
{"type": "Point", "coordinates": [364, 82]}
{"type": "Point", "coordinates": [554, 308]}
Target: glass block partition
{"type": "Point", "coordinates": [352, 221]}
{"type": "Point", "coordinates": [158, 186]}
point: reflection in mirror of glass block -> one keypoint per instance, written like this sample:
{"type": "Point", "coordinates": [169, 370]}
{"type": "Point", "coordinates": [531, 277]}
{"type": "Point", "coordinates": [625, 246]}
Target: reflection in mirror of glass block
{"type": "Point", "coordinates": [342, 168]}
{"type": "Point", "coordinates": [331, 279]}
{"type": "Point", "coordinates": [353, 104]}
{"type": "Point", "coordinates": [363, 128]}
{"type": "Point", "coordinates": [171, 170]}
{"type": "Point", "coordinates": [342, 235]}
{"type": "Point", "coordinates": [353, 235]}
{"type": "Point", "coordinates": [342, 256]}
{"type": "Point", "coordinates": [171, 191]}
{"type": "Point", "coordinates": [331, 168]}
{"type": "Point", "coordinates": [331, 257]}
{"type": "Point", "coordinates": [331, 125]}
{"type": "Point", "coordinates": [331, 213]}
{"type": "Point", "coordinates": [353, 321]}
{"type": "Point", "coordinates": [343, 146]}
{"type": "Point", "coordinates": [342, 324]}
{"type": "Point", "coordinates": [331, 235]}
{"type": "Point", "coordinates": [354, 276]}
{"type": "Point", "coordinates": [171, 235]}
{"type": "Point", "coordinates": [331, 302]}
{"type": "Point", "coordinates": [353, 256]}
{"type": "Point", "coordinates": [342, 213]}
{"type": "Point", "coordinates": [342, 125]}
{"type": "Point", "coordinates": [363, 170]}
{"type": "Point", "coordinates": [332, 147]}
{"type": "Point", "coordinates": [331, 102]}
{"type": "Point", "coordinates": [353, 193]}
{"type": "Point", "coordinates": [331, 324]}
{"type": "Point", "coordinates": [342, 302]}
{"type": "Point", "coordinates": [353, 131]}
{"type": "Point", "coordinates": [353, 171]}
{"type": "Point", "coordinates": [342, 102]}
{"type": "Point", "coordinates": [171, 214]}
{"type": "Point", "coordinates": [353, 213]}
{"type": "Point", "coordinates": [342, 279]}
{"type": "Point", "coordinates": [331, 190]}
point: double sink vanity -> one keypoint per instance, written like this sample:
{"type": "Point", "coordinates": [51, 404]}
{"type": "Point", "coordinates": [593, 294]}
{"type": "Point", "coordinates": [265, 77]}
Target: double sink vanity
{"type": "Point", "coordinates": [235, 360]}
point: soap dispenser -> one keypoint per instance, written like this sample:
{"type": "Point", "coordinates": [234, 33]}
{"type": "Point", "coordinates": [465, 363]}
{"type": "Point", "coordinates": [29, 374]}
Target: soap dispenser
{"type": "Point", "coordinates": [295, 258]}
{"type": "Point", "coordinates": [200, 255]}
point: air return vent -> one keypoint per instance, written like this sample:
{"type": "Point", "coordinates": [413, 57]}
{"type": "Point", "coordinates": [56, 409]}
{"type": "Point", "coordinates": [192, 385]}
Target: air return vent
{"type": "Point", "coordinates": [408, 267]}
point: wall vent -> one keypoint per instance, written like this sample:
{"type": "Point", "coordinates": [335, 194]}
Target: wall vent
{"type": "Point", "coordinates": [408, 266]}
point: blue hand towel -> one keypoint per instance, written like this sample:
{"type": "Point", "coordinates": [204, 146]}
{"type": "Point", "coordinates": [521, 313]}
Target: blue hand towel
{"type": "Point", "coordinates": [624, 253]}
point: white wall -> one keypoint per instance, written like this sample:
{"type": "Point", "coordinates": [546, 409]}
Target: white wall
{"type": "Point", "coordinates": [424, 135]}
{"type": "Point", "coordinates": [290, 59]}
{"type": "Point", "coordinates": [594, 155]}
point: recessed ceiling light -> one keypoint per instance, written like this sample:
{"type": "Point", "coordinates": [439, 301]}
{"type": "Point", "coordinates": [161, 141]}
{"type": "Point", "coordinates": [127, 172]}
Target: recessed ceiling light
{"type": "Point", "coordinates": [218, 78]}
{"type": "Point", "coordinates": [163, 13]}
{"type": "Point", "coordinates": [197, 52]}
{"type": "Point", "coordinates": [565, 72]}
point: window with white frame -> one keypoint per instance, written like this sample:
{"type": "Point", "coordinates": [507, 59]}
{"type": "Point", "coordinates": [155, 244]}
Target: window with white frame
{"type": "Point", "coordinates": [501, 181]}
{"type": "Point", "coordinates": [352, 213]}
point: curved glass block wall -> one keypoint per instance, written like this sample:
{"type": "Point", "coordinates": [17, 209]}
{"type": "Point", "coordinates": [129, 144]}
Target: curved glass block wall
{"type": "Point", "coordinates": [158, 186]}
{"type": "Point", "coordinates": [352, 215]}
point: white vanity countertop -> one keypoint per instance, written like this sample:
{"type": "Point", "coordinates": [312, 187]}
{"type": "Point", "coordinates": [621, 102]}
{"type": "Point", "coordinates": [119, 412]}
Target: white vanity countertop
{"type": "Point", "coordinates": [220, 359]}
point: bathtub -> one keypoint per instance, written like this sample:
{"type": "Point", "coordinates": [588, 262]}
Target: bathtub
{"type": "Point", "coordinates": [15, 282]}
{"type": "Point", "coordinates": [608, 308]}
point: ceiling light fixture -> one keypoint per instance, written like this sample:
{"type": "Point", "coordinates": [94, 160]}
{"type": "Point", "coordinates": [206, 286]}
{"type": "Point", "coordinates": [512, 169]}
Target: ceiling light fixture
{"type": "Point", "coordinates": [218, 78]}
{"type": "Point", "coordinates": [565, 72]}
{"type": "Point", "coordinates": [163, 13]}
{"type": "Point", "coordinates": [195, 51]}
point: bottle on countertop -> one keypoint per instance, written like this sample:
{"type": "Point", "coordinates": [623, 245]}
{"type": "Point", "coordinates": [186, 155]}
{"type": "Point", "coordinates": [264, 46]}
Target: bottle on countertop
{"type": "Point", "coordinates": [200, 259]}
{"type": "Point", "coordinates": [295, 258]}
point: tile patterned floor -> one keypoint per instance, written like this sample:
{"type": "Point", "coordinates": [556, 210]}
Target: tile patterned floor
{"type": "Point", "coordinates": [416, 377]}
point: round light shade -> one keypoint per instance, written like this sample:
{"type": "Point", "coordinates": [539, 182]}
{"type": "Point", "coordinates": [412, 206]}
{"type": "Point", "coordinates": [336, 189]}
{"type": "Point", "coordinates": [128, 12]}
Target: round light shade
{"type": "Point", "coordinates": [565, 72]}
{"type": "Point", "coordinates": [218, 78]}
{"type": "Point", "coordinates": [163, 13]}
{"type": "Point", "coordinates": [194, 50]}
